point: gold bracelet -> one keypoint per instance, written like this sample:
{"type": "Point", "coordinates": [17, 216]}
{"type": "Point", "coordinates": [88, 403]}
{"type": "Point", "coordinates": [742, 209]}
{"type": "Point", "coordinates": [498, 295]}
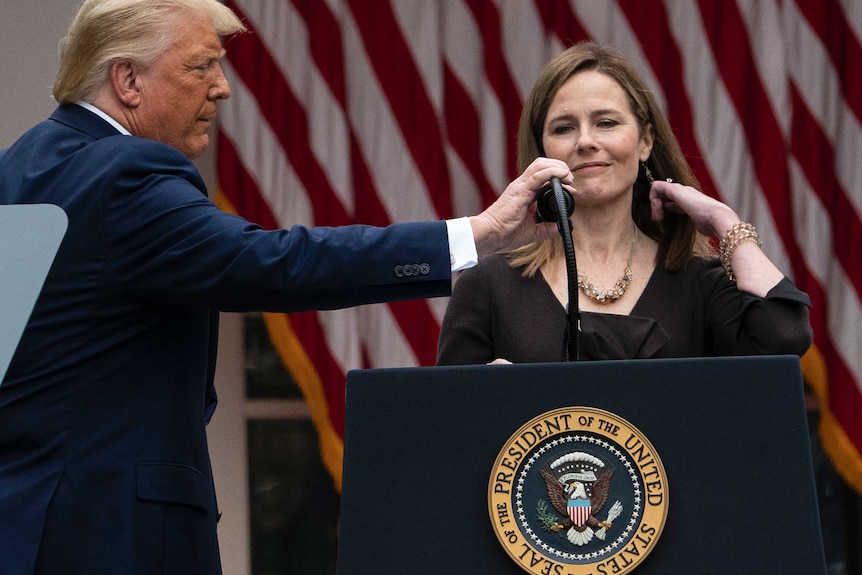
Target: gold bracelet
{"type": "Point", "coordinates": [739, 233]}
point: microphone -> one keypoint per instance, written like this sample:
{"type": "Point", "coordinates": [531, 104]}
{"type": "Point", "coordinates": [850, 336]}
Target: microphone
{"type": "Point", "coordinates": [547, 209]}
{"type": "Point", "coordinates": [551, 203]}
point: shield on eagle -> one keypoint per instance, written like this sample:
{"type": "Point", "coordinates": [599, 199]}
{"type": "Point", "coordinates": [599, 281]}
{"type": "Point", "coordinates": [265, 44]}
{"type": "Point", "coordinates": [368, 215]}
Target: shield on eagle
{"type": "Point", "coordinates": [580, 510]}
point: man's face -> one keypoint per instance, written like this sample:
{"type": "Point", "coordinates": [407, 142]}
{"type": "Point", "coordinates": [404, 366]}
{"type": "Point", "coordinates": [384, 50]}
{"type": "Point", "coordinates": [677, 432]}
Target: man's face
{"type": "Point", "coordinates": [180, 90]}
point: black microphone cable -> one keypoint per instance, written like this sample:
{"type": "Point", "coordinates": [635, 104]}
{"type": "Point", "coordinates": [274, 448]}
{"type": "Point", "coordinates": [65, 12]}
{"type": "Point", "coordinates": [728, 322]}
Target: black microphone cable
{"type": "Point", "coordinates": [565, 205]}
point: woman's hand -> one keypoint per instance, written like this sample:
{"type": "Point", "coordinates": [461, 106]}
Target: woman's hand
{"type": "Point", "coordinates": [711, 217]}
{"type": "Point", "coordinates": [752, 269]}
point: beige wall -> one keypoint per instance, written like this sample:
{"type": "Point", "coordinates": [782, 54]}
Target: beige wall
{"type": "Point", "coordinates": [31, 31]}
{"type": "Point", "coordinates": [28, 58]}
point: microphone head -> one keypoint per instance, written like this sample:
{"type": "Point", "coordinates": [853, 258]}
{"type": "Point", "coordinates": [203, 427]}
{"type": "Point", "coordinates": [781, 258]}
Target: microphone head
{"type": "Point", "coordinates": [546, 204]}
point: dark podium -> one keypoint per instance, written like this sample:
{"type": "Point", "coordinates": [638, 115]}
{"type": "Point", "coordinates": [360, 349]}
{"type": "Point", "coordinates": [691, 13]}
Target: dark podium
{"type": "Point", "coordinates": [732, 434]}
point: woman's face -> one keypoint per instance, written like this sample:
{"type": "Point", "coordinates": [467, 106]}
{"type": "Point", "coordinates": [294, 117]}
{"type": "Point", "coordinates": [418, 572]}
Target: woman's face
{"type": "Point", "coordinates": [591, 127]}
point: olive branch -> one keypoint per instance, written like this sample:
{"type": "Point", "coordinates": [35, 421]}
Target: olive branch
{"type": "Point", "coordinates": [547, 520]}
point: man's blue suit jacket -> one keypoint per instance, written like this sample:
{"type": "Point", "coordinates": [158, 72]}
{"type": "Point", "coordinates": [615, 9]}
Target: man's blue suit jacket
{"type": "Point", "coordinates": [104, 466]}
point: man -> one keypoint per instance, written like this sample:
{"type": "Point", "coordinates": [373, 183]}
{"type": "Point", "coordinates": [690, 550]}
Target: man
{"type": "Point", "coordinates": [103, 459]}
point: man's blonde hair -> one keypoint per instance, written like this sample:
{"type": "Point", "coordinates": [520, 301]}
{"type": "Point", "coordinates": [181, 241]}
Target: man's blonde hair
{"type": "Point", "coordinates": [104, 31]}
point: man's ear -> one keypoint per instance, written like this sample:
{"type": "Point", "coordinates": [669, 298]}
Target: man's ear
{"type": "Point", "coordinates": [126, 82]}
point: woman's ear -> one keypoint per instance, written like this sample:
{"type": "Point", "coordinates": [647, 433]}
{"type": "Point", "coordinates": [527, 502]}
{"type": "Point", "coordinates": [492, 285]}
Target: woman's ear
{"type": "Point", "coordinates": [646, 143]}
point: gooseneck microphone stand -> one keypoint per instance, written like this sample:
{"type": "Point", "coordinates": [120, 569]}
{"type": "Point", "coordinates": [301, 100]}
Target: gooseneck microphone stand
{"type": "Point", "coordinates": [565, 204]}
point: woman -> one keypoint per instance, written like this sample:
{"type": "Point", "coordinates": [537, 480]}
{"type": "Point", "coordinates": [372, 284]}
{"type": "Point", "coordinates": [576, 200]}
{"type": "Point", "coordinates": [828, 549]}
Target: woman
{"type": "Point", "coordinates": [650, 284]}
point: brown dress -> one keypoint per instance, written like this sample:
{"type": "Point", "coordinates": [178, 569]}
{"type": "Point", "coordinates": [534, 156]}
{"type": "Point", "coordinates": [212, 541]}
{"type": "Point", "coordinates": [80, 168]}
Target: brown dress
{"type": "Point", "coordinates": [494, 312]}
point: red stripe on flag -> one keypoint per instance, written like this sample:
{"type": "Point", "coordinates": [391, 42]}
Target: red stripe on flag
{"type": "Point", "coordinates": [326, 46]}
{"type": "Point", "coordinates": [307, 327]}
{"type": "Point", "coordinates": [240, 188]}
{"type": "Point", "coordinates": [827, 20]}
{"type": "Point", "coordinates": [287, 119]}
{"type": "Point", "coordinates": [733, 55]}
{"type": "Point", "coordinates": [650, 23]}
{"type": "Point", "coordinates": [459, 127]}
{"type": "Point", "coordinates": [419, 327]}
{"type": "Point", "coordinates": [816, 156]}
{"type": "Point", "coordinates": [558, 18]}
{"type": "Point", "coordinates": [845, 402]}
{"type": "Point", "coordinates": [414, 318]}
{"type": "Point", "coordinates": [728, 37]}
{"type": "Point", "coordinates": [839, 393]}
{"type": "Point", "coordinates": [464, 130]}
{"type": "Point", "coordinates": [498, 74]}
{"type": "Point", "coordinates": [404, 88]}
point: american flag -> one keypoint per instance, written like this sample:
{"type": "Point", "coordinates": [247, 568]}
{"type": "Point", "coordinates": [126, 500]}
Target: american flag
{"type": "Point", "coordinates": [377, 111]}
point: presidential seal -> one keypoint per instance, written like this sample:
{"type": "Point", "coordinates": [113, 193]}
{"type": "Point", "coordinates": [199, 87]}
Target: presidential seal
{"type": "Point", "coordinates": [578, 491]}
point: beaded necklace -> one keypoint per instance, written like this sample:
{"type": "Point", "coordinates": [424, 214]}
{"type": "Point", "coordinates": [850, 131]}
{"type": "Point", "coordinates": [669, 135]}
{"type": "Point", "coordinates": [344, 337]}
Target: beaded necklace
{"type": "Point", "coordinates": [619, 289]}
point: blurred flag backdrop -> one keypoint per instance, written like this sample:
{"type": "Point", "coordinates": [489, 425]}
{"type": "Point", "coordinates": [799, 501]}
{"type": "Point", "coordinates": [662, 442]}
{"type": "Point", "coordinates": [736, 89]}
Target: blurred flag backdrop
{"type": "Point", "coordinates": [376, 111]}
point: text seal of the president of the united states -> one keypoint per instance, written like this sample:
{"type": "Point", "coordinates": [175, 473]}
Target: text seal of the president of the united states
{"type": "Point", "coordinates": [578, 491]}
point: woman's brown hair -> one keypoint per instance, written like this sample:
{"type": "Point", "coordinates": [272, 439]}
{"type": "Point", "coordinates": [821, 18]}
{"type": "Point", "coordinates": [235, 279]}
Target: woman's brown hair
{"type": "Point", "coordinates": [678, 239]}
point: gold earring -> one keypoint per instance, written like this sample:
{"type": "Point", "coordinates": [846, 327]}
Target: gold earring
{"type": "Point", "coordinates": [648, 173]}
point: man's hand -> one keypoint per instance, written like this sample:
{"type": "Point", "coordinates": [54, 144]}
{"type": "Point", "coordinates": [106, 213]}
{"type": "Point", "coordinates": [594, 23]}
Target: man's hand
{"type": "Point", "coordinates": [510, 221]}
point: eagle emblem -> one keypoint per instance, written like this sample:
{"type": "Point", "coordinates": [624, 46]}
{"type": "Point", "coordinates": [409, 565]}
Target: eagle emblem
{"type": "Point", "coordinates": [578, 485]}
{"type": "Point", "coordinates": [566, 496]}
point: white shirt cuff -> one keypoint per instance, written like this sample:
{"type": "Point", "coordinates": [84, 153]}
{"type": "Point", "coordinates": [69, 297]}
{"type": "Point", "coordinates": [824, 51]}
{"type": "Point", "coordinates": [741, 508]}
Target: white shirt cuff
{"type": "Point", "coordinates": [462, 245]}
